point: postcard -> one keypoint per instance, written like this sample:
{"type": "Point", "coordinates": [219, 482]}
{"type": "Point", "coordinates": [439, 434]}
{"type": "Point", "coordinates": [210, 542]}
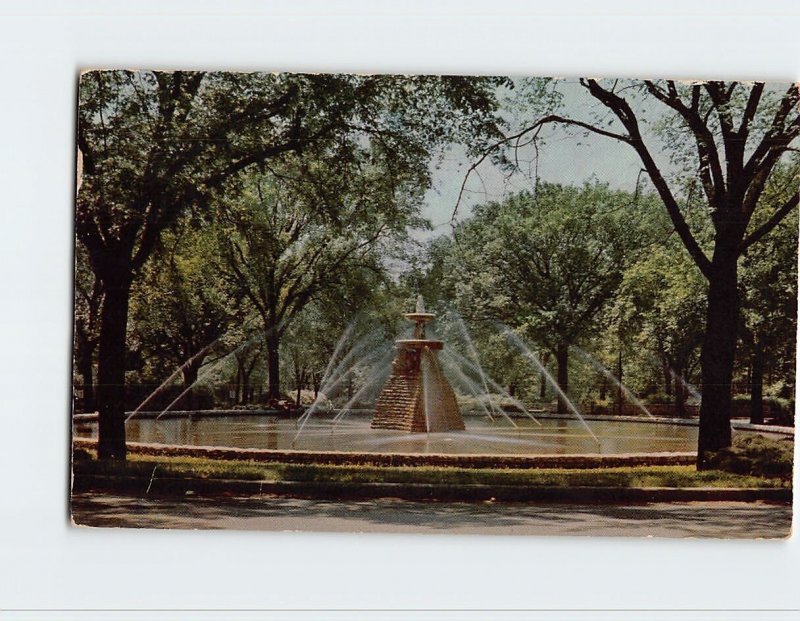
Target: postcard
{"type": "Point", "coordinates": [435, 304]}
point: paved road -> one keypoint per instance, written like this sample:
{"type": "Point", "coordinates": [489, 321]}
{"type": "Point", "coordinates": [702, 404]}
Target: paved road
{"type": "Point", "coordinates": [729, 520]}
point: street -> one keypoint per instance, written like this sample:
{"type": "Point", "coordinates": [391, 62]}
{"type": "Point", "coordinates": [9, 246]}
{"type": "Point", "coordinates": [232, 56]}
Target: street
{"type": "Point", "coordinates": [677, 520]}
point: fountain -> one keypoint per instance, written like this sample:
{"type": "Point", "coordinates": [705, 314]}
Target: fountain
{"type": "Point", "coordinates": [409, 407]}
{"type": "Point", "coordinates": [417, 396]}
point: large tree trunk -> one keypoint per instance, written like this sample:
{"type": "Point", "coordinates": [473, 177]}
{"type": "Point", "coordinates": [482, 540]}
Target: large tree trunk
{"type": "Point", "coordinates": [562, 361]}
{"type": "Point", "coordinates": [717, 354]}
{"type": "Point", "coordinates": [273, 364]}
{"type": "Point", "coordinates": [757, 383]}
{"type": "Point", "coordinates": [111, 370]}
{"type": "Point", "coordinates": [620, 397]}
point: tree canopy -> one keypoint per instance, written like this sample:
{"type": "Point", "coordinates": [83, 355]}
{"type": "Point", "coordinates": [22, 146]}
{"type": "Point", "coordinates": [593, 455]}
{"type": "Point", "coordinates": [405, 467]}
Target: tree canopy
{"type": "Point", "coordinates": [156, 144]}
{"type": "Point", "coordinates": [231, 225]}
{"type": "Point", "coordinates": [548, 263]}
{"type": "Point", "coordinates": [729, 136]}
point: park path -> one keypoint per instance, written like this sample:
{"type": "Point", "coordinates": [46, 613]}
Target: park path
{"type": "Point", "coordinates": [677, 520]}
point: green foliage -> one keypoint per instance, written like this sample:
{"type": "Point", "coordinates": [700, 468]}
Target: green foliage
{"type": "Point", "coordinates": [222, 197]}
{"type": "Point", "coordinates": [548, 263]}
{"type": "Point", "coordinates": [155, 146]}
{"type": "Point", "coordinates": [282, 246]}
{"type": "Point", "coordinates": [726, 139]}
{"type": "Point", "coordinates": [284, 249]}
{"type": "Point", "coordinates": [179, 307]}
{"type": "Point", "coordinates": [659, 313]}
{"type": "Point", "coordinates": [768, 289]}
{"type": "Point", "coordinates": [756, 455]}
{"type": "Point", "coordinates": [675, 131]}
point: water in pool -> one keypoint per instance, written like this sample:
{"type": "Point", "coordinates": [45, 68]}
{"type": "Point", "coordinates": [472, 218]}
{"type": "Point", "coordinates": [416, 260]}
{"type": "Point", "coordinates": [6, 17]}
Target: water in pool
{"type": "Point", "coordinates": [482, 436]}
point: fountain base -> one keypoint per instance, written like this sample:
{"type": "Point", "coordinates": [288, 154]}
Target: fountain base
{"type": "Point", "coordinates": [417, 397]}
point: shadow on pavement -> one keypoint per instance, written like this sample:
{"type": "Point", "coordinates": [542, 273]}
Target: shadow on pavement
{"type": "Point", "coordinates": [734, 520]}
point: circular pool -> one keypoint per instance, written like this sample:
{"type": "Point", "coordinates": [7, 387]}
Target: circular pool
{"type": "Point", "coordinates": [551, 436]}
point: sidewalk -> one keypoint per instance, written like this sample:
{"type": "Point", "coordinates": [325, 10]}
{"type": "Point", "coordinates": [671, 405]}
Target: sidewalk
{"type": "Point", "coordinates": [720, 520]}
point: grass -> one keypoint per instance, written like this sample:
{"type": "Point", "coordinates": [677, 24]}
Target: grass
{"type": "Point", "coordinates": [640, 476]}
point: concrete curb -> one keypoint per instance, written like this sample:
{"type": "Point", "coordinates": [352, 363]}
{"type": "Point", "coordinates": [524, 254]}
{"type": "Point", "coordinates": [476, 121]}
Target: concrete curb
{"type": "Point", "coordinates": [431, 492]}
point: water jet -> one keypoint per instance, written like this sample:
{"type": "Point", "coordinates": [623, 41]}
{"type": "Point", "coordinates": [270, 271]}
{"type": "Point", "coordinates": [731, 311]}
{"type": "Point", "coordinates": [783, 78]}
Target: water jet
{"type": "Point", "coordinates": [417, 396]}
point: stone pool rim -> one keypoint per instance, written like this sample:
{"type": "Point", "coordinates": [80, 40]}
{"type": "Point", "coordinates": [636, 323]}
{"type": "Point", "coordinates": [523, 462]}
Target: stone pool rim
{"type": "Point", "coordinates": [472, 460]}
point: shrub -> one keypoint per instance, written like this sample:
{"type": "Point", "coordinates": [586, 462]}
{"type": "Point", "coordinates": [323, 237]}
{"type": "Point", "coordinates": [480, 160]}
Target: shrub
{"type": "Point", "coordinates": [658, 397]}
{"type": "Point", "coordinates": [756, 455]}
{"type": "Point", "coordinates": [781, 411]}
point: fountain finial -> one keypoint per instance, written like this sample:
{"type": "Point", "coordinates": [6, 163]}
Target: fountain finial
{"type": "Point", "coordinates": [419, 317]}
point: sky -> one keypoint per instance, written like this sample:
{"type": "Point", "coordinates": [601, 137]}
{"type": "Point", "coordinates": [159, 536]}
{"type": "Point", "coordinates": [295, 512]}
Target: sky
{"type": "Point", "coordinates": [568, 156]}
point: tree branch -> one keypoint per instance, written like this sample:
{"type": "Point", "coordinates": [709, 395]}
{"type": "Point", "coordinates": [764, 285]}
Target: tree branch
{"type": "Point", "coordinates": [623, 111]}
{"type": "Point", "coordinates": [551, 118]}
{"type": "Point", "coordinates": [710, 165]}
{"type": "Point", "coordinates": [752, 106]}
{"type": "Point", "coordinates": [770, 224]}
{"type": "Point", "coordinates": [213, 181]}
{"type": "Point", "coordinates": [777, 133]}
{"type": "Point", "coordinates": [733, 142]}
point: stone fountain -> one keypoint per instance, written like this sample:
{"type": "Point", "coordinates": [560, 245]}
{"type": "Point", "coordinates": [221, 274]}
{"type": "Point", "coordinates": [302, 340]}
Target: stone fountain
{"type": "Point", "coordinates": [417, 397]}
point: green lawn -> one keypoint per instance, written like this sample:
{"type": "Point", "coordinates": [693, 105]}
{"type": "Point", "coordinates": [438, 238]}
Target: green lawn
{"type": "Point", "coordinates": [643, 476]}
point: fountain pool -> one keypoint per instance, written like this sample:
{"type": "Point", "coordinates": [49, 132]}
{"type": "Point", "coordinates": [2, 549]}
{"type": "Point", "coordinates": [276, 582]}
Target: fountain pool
{"type": "Point", "coordinates": [413, 406]}
{"type": "Point", "coordinates": [553, 436]}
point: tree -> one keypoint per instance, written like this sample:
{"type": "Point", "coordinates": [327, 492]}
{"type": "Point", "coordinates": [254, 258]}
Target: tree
{"type": "Point", "coordinates": [246, 359]}
{"type": "Point", "coordinates": [737, 133]}
{"type": "Point", "coordinates": [155, 144]}
{"type": "Point", "coordinates": [282, 252]}
{"type": "Point", "coordinates": [547, 263]}
{"type": "Point", "coordinates": [661, 305]}
{"type": "Point", "coordinates": [151, 144]}
{"type": "Point", "coordinates": [768, 293]}
{"type": "Point", "coordinates": [88, 302]}
{"type": "Point", "coordinates": [310, 339]}
{"type": "Point", "coordinates": [179, 308]}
